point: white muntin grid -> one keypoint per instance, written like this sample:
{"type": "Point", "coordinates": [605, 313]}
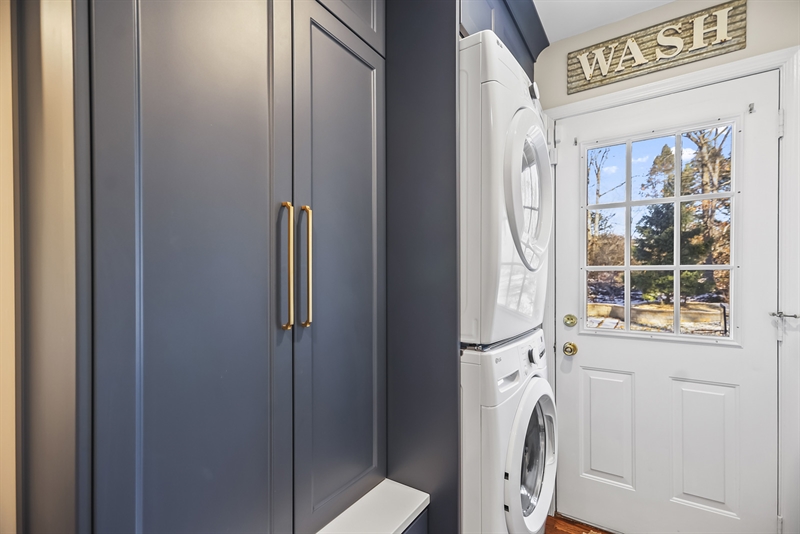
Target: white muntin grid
{"type": "Point", "coordinates": [678, 198]}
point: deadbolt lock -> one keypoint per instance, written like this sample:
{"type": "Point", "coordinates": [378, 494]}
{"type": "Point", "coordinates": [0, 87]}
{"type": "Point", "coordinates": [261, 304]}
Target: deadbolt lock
{"type": "Point", "coordinates": [570, 320]}
{"type": "Point", "coordinates": [570, 348]}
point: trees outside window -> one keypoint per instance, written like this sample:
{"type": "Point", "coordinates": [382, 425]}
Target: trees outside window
{"type": "Point", "coordinates": [701, 192]}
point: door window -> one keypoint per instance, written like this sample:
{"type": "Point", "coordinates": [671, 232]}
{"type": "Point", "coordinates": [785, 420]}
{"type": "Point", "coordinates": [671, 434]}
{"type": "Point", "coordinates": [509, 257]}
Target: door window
{"type": "Point", "coordinates": [533, 461]}
{"type": "Point", "coordinates": [641, 274]}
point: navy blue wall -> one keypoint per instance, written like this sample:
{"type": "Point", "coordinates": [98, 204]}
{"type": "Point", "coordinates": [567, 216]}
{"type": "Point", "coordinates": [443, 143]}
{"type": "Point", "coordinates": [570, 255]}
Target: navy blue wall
{"type": "Point", "coordinates": [516, 22]}
{"type": "Point", "coordinates": [422, 252]}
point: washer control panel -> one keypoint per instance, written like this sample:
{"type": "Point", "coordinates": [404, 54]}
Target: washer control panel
{"type": "Point", "coordinates": [505, 369]}
{"type": "Point", "coordinates": [533, 354]}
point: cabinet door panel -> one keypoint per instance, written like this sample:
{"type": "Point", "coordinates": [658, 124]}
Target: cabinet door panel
{"type": "Point", "coordinates": [365, 17]}
{"type": "Point", "coordinates": [340, 359]}
{"type": "Point", "coordinates": [184, 234]}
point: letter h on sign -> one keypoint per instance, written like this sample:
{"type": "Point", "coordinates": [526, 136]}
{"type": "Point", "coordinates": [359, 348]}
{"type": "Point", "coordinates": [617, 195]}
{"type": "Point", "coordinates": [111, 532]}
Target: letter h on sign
{"type": "Point", "coordinates": [721, 29]}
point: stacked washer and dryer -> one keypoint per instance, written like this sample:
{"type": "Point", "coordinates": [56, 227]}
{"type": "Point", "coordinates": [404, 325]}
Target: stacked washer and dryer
{"type": "Point", "coordinates": [509, 426]}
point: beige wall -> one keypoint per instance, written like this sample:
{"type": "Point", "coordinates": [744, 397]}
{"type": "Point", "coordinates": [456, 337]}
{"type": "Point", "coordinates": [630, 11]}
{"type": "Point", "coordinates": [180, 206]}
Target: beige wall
{"type": "Point", "coordinates": [771, 25]}
{"type": "Point", "coordinates": [7, 300]}
{"type": "Point", "coordinates": [47, 220]}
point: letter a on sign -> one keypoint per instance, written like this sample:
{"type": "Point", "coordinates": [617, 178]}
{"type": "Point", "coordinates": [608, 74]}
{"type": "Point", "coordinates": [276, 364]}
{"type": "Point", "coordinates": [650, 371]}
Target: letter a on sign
{"type": "Point", "coordinates": [599, 57]}
{"type": "Point", "coordinates": [636, 54]}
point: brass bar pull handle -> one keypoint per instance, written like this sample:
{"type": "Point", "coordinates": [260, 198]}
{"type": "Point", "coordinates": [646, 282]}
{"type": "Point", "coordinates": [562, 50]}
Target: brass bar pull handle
{"type": "Point", "coordinates": [290, 322]}
{"type": "Point", "coordinates": [309, 244]}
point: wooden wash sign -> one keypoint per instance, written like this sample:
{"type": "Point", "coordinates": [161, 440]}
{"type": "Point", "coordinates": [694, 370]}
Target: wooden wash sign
{"type": "Point", "coordinates": [704, 34]}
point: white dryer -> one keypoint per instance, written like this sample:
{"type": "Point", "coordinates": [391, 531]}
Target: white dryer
{"type": "Point", "coordinates": [506, 188]}
{"type": "Point", "coordinates": [509, 438]}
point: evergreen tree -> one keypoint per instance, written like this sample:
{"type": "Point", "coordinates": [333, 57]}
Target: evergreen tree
{"type": "Point", "coordinates": [661, 176]}
{"type": "Point", "coordinates": [703, 239]}
{"type": "Point", "coordinates": [656, 231]}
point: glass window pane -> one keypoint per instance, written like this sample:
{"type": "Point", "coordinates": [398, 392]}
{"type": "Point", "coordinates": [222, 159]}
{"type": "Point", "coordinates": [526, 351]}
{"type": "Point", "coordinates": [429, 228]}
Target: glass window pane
{"type": "Point", "coordinates": [652, 234]}
{"type": "Point", "coordinates": [706, 160]}
{"type": "Point", "coordinates": [605, 296]}
{"type": "Point", "coordinates": [605, 173]}
{"type": "Point", "coordinates": [706, 232]}
{"type": "Point", "coordinates": [652, 297]}
{"type": "Point", "coordinates": [605, 243]}
{"type": "Point", "coordinates": [705, 303]}
{"type": "Point", "coordinates": [653, 168]}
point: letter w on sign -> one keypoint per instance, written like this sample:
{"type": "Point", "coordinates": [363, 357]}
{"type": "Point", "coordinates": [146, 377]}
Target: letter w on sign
{"type": "Point", "coordinates": [599, 57]}
{"type": "Point", "coordinates": [711, 32]}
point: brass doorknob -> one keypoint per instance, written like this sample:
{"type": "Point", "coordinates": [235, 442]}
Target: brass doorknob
{"type": "Point", "coordinates": [570, 348]}
{"type": "Point", "coordinates": [570, 320]}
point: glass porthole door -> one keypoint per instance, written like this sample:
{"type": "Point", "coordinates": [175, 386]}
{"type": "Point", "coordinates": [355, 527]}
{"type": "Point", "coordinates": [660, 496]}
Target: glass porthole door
{"type": "Point", "coordinates": [531, 460]}
{"type": "Point", "coordinates": [528, 187]}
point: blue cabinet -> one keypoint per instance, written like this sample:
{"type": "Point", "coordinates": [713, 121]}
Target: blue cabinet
{"type": "Point", "coordinates": [420, 524]}
{"type": "Point", "coordinates": [340, 358]}
{"type": "Point", "coordinates": [208, 119]}
{"type": "Point", "coordinates": [367, 18]}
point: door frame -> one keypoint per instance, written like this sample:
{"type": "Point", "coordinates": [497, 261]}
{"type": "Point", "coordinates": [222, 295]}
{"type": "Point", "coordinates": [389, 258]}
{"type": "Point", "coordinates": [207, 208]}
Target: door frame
{"type": "Point", "coordinates": [67, 394]}
{"type": "Point", "coordinates": [787, 62]}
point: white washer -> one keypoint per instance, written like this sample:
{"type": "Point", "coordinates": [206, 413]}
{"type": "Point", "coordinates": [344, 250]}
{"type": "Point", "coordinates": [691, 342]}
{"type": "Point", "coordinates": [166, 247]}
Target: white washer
{"type": "Point", "coordinates": [506, 188]}
{"type": "Point", "coordinates": [509, 438]}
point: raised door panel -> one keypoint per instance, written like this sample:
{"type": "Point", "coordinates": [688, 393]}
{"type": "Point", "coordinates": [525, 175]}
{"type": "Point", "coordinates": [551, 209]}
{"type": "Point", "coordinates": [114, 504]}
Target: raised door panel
{"type": "Point", "coordinates": [365, 17]}
{"type": "Point", "coordinates": [184, 234]}
{"type": "Point", "coordinates": [340, 358]}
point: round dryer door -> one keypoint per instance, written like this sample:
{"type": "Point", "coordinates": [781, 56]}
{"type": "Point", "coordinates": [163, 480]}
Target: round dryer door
{"type": "Point", "coordinates": [531, 460]}
{"type": "Point", "coordinates": [528, 186]}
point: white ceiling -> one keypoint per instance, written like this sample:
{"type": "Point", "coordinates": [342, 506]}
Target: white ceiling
{"type": "Point", "coordinates": [565, 18]}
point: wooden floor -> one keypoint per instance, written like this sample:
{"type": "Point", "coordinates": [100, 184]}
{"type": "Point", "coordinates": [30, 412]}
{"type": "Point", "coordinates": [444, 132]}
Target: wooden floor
{"type": "Point", "coordinates": [562, 525]}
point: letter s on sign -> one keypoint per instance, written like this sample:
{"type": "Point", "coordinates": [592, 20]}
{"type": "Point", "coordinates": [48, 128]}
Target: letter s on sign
{"type": "Point", "coordinates": [674, 41]}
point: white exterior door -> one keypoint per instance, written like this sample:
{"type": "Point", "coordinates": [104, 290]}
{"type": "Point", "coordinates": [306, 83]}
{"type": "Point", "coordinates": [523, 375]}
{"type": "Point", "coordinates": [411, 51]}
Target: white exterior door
{"type": "Point", "coordinates": [667, 254]}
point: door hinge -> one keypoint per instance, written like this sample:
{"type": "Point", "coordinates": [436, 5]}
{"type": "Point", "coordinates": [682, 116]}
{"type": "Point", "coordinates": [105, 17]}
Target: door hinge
{"type": "Point", "coordinates": [553, 155]}
{"type": "Point", "coordinates": [780, 123]}
{"type": "Point", "coordinates": [780, 524]}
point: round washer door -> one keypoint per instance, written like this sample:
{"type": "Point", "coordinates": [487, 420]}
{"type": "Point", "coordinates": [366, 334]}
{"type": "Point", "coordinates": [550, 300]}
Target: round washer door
{"type": "Point", "coordinates": [531, 460]}
{"type": "Point", "coordinates": [528, 186]}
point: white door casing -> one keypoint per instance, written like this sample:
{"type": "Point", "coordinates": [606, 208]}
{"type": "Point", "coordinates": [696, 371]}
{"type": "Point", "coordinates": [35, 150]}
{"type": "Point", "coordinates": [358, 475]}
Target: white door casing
{"type": "Point", "coordinates": [659, 434]}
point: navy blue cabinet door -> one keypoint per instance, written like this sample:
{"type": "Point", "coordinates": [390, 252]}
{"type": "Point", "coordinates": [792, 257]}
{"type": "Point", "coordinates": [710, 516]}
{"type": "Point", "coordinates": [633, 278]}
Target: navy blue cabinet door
{"type": "Point", "coordinates": [340, 358]}
{"type": "Point", "coordinates": [187, 220]}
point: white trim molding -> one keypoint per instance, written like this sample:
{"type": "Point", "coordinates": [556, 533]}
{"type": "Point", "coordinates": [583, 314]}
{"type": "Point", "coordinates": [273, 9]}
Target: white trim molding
{"type": "Point", "coordinates": [779, 59]}
{"type": "Point", "coordinates": [789, 297]}
{"type": "Point", "coordinates": [787, 62]}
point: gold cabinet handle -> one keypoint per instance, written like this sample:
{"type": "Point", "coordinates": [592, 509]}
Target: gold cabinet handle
{"type": "Point", "coordinates": [309, 242]}
{"type": "Point", "coordinates": [290, 323]}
